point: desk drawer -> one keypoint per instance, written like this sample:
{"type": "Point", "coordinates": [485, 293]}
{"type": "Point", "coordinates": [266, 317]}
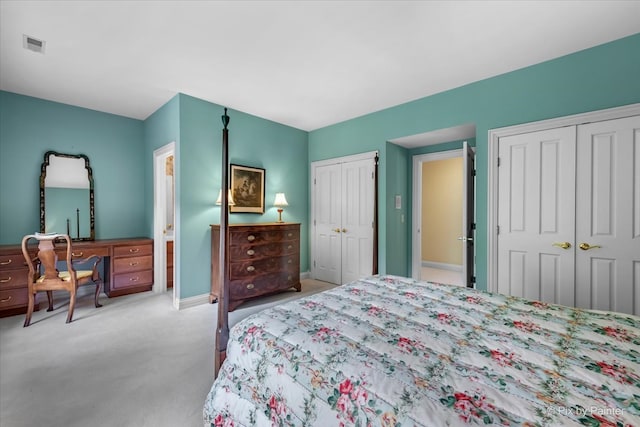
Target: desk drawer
{"type": "Point", "coordinates": [125, 265]}
{"type": "Point", "coordinates": [133, 250]}
{"type": "Point", "coordinates": [10, 262]}
{"type": "Point", "coordinates": [14, 278]}
{"type": "Point", "coordinates": [13, 298]}
{"type": "Point", "coordinates": [134, 279]}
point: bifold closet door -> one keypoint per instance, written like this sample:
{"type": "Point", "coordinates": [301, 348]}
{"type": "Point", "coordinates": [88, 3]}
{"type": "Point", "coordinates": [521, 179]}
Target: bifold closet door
{"type": "Point", "coordinates": [536, 215]}
{"type": "Point", "coordinates": [608, 216]}
{"type": "Point", "coordinates": [327, 222]}
{"type": "Point", "coordinates": [343, 200]}
{"type": "Point", "coordinates": [357, 219]}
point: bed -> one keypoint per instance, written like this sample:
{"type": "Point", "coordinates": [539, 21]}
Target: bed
{"type": "Point", "coordinates": [392, 351]}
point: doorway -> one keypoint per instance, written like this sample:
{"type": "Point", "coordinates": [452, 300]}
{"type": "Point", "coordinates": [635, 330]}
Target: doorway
{"type": "Point", "coordinates": [443, 206]}
{"type": "Point", "coordinates": [165, 232]}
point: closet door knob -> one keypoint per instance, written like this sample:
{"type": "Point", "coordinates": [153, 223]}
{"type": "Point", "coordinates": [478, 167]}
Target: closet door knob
{"type": "Point", "coordinates": [337, 230]}
{"type": "Point", "coordinates": [563, 245]}
{"type": "Point", "coordinates": [586, 246]}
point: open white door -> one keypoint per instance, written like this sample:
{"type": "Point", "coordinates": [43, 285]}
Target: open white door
{"type": "Point", "coordinates": [468, 221]}
{"type": "Point", "coordinates": [163, 221]}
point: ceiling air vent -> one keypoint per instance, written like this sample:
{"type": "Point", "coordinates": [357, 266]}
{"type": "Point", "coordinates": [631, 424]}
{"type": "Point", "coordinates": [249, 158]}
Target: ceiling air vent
{"type": "Point", "coordinates": [33, 43]}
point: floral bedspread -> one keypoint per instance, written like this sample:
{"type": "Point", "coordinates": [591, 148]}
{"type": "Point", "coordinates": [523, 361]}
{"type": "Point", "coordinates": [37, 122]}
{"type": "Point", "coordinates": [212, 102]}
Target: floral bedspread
{"type": "Point", "coordinates": [392, 351]}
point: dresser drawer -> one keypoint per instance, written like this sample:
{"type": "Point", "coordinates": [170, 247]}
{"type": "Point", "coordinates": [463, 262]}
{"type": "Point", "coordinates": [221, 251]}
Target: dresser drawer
{"type": "Point", "coordinates": [125, 265]}
{"type": "Point", "coordinates": [13, 298]}
{"type": "Point", "coordinates": [261, 266]}
{"type": "Point", "coordinates": [11, 262]}
{"type": "Point", "coordinates": [134, 250]}
{"type": "Point", "coordinates": [133, 279]}
{"type": "Point", "coordinates": [268, 283]}
{"type": "Point", "coordinates": [14, 278]}
{"type": "Point", "coordinates": [239, 237]}
{"type": "Point", "coordinates": [255, 251]}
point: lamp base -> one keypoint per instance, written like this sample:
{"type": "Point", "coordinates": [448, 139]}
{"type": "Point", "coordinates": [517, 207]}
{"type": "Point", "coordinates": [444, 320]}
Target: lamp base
{"type": "Point", "coordinates": [280, 216]}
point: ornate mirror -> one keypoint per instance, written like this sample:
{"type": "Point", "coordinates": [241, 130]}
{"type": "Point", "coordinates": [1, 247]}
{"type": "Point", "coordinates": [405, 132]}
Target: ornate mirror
{"type": "Point", "coordinates": [66, 196]}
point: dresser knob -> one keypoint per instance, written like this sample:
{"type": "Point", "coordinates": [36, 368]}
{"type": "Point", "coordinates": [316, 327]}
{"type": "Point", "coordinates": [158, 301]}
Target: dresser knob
{"type": "Point", "coordinates": [73, 254]}
{"type": "Point", "coordinates": [134, 279]}
{"type": "Point", "coordinates": [290, 247]}
{"type": "Point", "coordinates": [134, 250]}
{"type": "Point", "coordinates": [251, 237]}
{"type": "Point", "coordinates": [251, 252]}
{"type": "Point", "coordinates": [250, 286]}
{"type": "Point", "coordinates": [289, 262]}
{"type": "Point", "coordinates": [251, 268]}
{"type": "Point", "coordinates": [133, 264]}
{"type": "Point", "coordinates": [5, 280]}
{"type": "Point", "coordinates": [6, 262]}
{"type": "Point", "coordinates": [6, 299]}
{"type": "Point", "coordinates": [289, 278]}
{"type": "Point", "coordinates": [290, 234]}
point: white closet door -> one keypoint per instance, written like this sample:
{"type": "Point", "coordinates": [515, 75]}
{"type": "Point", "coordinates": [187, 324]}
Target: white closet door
{"type": "Point", "coordinates": [328, 220]}
{"type": "Point", "coordinates": [357, 219]}
{"type": "Point", "coordinates": [536, 215]}
{"type": "Point", "coordinates": [608, 216]}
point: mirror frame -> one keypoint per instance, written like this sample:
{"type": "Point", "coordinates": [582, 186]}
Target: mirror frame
{"type": "Point", "coordinates": [43, 175]}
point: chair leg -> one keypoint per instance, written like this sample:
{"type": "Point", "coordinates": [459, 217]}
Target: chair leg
{"type": "Point", "coordinates": [72, 305]}
{"type": "Point", "coordinates": [50, 299]}
{"type": "Point", "coordinates": [27, 320]}
{"type": "Point", "coordinates": [98, 289]}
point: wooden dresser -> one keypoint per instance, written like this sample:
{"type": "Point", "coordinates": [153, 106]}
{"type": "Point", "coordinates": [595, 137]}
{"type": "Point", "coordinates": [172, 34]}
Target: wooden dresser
{"type": "Point", "coordinates": [263, 259]}
{"type": "Point", "coordinates": [128, 268]}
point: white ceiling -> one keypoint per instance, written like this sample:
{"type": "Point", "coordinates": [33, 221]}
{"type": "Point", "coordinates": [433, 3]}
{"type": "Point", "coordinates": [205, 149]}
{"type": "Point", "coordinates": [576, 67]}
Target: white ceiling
{"type": "Point", "coordinates": [307, 64]}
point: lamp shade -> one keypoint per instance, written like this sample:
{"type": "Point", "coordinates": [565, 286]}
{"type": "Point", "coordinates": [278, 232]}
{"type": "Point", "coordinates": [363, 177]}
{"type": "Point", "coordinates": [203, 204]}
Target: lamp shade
{"type": "Point", "coordinates": [219, 201]}
{"type": "Point", "coordinates": [280, 200]}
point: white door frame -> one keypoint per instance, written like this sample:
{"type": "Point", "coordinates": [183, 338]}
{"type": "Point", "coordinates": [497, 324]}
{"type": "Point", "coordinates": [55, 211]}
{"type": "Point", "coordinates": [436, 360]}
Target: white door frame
{"type": "Point", "coordinates": [492, 187]}
{"type": "Point", "coordinates": [159, 214]}
{"type": "Point", "coordinates": [416, 221]}
{"type": "Point", "coordinates": [355, 157]}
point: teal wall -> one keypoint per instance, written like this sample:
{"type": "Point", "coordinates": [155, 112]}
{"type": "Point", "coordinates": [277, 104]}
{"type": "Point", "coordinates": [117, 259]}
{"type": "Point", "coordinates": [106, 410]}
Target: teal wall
{"type": "Point", "coordinates": [602, 77]}
{"type": "Point", "coordinates": [196, 127]}
{"type": "Point", "coordinates": [29, 127]}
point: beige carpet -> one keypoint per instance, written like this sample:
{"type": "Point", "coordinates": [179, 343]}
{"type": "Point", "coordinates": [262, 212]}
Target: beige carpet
{"type": "Point", "coordinates": [134, 362]}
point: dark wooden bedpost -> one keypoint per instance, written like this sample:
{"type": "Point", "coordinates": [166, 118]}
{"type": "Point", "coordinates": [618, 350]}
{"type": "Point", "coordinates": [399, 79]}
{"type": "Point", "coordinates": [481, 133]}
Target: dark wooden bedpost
{"type": "Point", "coordinates": [222, 333]}
{"type": "Point", "coordinates": [375, 214]}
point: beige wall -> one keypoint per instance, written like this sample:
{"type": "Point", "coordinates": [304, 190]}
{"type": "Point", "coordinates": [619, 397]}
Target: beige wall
{"type": "Point", "coordinates": [442, 182]}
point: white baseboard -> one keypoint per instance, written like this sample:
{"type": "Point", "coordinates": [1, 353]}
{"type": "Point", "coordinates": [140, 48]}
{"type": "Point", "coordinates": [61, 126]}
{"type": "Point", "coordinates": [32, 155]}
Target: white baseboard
{"type": "Point", "coordinates": [193, 301]}
{"type": "Point", "coordinates": [442, 266]}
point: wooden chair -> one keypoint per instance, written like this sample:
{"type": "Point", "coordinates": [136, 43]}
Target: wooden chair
{"type": "Point", "coordinates": [44, 275]}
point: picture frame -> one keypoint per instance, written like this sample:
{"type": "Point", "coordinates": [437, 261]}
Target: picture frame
{"type": "Point", "coordinates": [247, 189]}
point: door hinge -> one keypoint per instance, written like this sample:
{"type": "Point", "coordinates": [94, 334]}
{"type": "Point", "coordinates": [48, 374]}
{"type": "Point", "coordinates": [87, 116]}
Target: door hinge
{"type": "Point", "coordinates": [497, 229]}
{"type": "Point", "coordinates": [314, 181]}
{"type": "Point", "coordinates": [473, 279]}
{"type": "Point", "coordinates": [473, 225]}
{"type": "Point", "coordinates": [498, 161]}
{"type": "Point", "coordinates": [473, 172]}
{"type": "Point", "coordinates": [314, 263]}
{"type": "Point", "coordinates": [314, 222]}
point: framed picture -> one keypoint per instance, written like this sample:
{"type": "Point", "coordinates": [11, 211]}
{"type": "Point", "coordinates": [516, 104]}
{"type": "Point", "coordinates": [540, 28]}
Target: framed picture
{"type": "Point", "coordinates": [247, 189]}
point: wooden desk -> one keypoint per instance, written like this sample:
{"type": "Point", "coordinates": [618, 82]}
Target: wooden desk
{"type": "Point", "coordinates": [128, 268]}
